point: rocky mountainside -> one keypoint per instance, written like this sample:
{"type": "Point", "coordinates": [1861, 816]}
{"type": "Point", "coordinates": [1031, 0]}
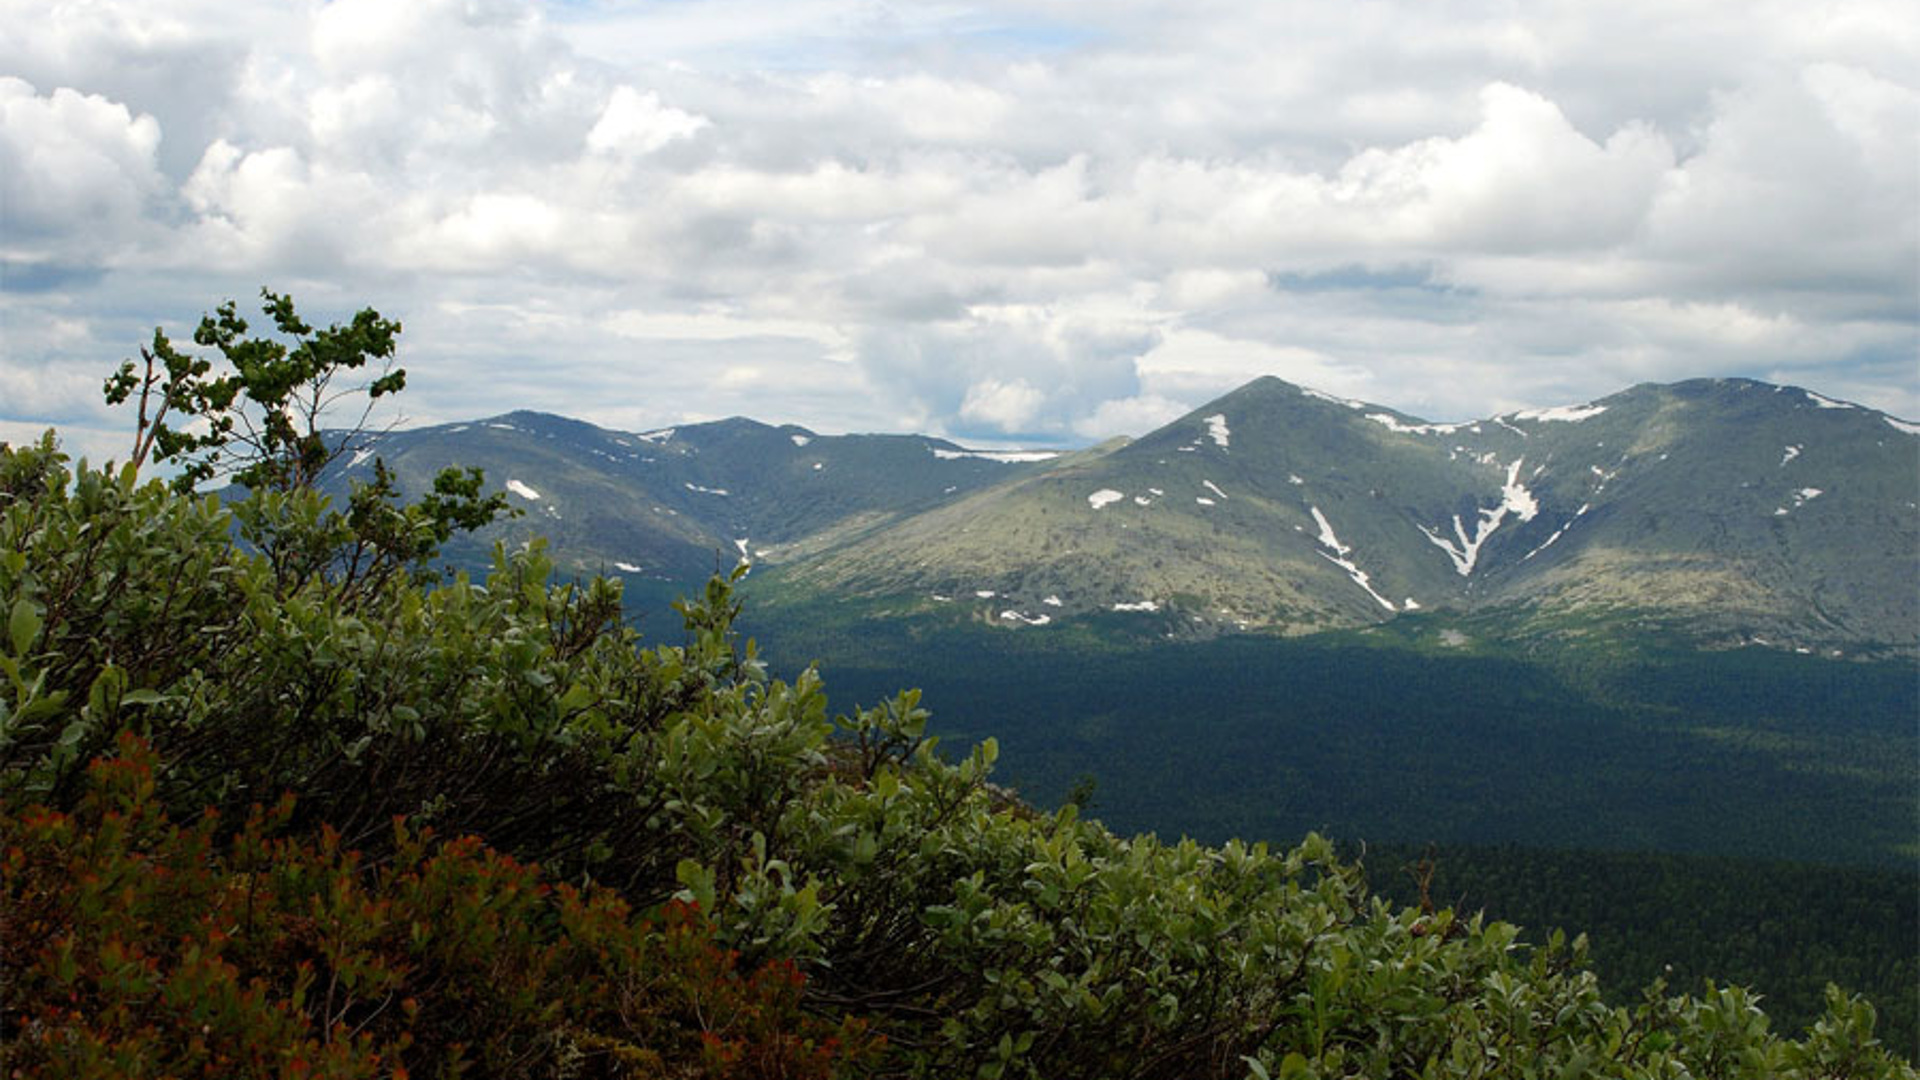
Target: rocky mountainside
{"type": "Point", "coordinates": [672, 505]}
{"type": "Point", "coordinates": [1738, 511]}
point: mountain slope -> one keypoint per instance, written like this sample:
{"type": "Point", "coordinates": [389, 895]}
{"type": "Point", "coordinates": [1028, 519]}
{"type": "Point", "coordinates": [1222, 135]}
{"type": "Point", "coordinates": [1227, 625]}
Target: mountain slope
{"type": "Point", "coordinates": [1730, 510]}
{"type": "Point", "coordinates": [675, 504]}
{"type": "Point", "coordinates": [1734, 508]}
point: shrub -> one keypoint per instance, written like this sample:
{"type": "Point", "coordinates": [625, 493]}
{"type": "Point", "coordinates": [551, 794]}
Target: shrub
{"type": "Point", "coordinates": [137, 946]}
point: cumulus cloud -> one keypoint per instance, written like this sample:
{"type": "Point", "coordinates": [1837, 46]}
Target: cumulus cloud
{"type": "Point", "coordinates": [637, 123]}
{"type": "Point", "coordinates": [990, 220]}
{"type": "Point", "coordinates": [77, 171]}
{"type": "Point", "coordinates": [1009, 406]}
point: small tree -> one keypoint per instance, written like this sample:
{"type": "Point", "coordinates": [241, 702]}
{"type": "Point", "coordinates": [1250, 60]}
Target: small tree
{"type": "Point", "coordinates": [261, 422]}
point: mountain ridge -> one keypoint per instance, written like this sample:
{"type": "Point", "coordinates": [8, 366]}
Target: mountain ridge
{"type": "Point", "coordinates": [1278, 507]}
{"type": "Point", "coordinates": [1743, 511]}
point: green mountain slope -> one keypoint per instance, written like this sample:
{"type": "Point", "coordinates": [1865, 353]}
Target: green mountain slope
{"type": "Point", "coordinates": [1735, 510]}
{"type": "Point", "coordinates": [669, 505]}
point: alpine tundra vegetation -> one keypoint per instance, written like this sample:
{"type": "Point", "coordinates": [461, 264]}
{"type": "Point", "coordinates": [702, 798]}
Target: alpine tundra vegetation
{"type": "Point", "coordinates": [281, 799]}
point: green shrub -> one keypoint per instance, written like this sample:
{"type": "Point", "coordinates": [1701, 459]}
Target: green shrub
{"type": "Point", "coordinates": [137, 946]}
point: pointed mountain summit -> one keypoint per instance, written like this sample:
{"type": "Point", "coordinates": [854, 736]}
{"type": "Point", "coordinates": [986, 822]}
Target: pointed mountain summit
{"type": "Point", "coordinates": [1730, 510]}
{"type": "Point", "coordinates": [1735, 509]}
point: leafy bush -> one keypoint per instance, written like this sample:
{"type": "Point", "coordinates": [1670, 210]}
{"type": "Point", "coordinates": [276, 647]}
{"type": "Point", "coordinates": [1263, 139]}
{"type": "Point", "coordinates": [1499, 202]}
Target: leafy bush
{"type": "Point", "coordinates": [979, 937]}
{"type": "Point", "coordinates": [137, 946]}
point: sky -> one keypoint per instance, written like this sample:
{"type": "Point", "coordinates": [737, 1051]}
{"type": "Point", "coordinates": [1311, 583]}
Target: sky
{"type": "Point", "coordinates": [1039, 223]}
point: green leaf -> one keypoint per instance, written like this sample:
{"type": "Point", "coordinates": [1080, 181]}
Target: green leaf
{"type": "Point", "coordinates": [697, 883]}
{"type": "Point", "coordinates": [23, 625]}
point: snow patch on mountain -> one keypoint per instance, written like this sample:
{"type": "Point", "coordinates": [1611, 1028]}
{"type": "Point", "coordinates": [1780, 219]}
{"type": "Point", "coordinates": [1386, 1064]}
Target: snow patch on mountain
{"type": "Point", "coordinates": [1514, 499]}
{"type": "Point", "coordinates": [800, 440]}
{"type": "Point", "coordinates": [1211, 486]}
{"type": "Point", "coordinates": [1031, 620]}
{"type": "Point", "coordinates": [1326, 537]}
{"type": "Point", "coordinates": [1004, 457]}
{"type": "Point", "coordinates": [1139, 605]}
{"type": "Point", "coordinates": [1791, 453]}
{"type": "Point", "coordinates": [1104, 497]}
{"type": "Point", "coordinates": [522, 490]}
{"type": "Point", "coordinates": [1324, 396]}
{"type": "Point", "coordinates": [1827, 402]}
{"type": "Point", "coordinates": [1391, 424]}
{"type": "Point", "coordinates": [706, 490]}
{"type": "Point", "coordinates": [1556, 535]}
{"type": "Point", "coordinates": [1217, 430]}
{"type": "Point", "coordinates": [626, 567]}
{"type": "Point", "coordinates": [1294, 479]}
{"type": "Point", "coordinates": [1051, 601]}
{"type": "Point", "coordinates": [360, 457]}
{"type": "Point", "coordinates": [1800, 498]}
{"type": "Point", "coordinates": [1203, 500]}
{"type": "Point", "coordinates": [656, 437]}
{"type": "Point", "coordinates": [1565, 414]}
{"type": "Point", "coordinates": [1338, 557]}
{"type": "Point", "coordinates": [1907, 426]}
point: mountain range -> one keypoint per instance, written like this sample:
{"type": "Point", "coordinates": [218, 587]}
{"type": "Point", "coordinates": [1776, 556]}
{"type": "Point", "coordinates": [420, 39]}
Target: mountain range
{"type": "Point", "coordinates": [1736, 512]}
{"type": "Point", "coordinates": [1586, 644]}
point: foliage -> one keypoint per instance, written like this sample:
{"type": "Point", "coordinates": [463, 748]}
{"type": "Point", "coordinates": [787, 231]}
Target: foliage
{"type": "Point", "coordinates": [979, 937]}
{"type": "Point", "coordinates": [138, 946]}
{"type": "Point", "coordinates": [261, 422]}
{"type": "Point", "coordinates": [1783, 929]}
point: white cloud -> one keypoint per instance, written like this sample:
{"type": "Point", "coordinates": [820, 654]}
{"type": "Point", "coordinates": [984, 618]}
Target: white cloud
{"type": "Point", "coordinates": [1194, 365]}
{"type": "Point", "coordinates": [1523, 179]}
{"type": "Point", "coordinates": [1129, 416]}
{"type": "Point", "coordinates": [977, 218]}
{"type": "Point", "coordinates": [637, 123]}
{"type": "Point", "coordinates": [78, 172]}
{"type": "Point", "coordinates": [1009, 406]}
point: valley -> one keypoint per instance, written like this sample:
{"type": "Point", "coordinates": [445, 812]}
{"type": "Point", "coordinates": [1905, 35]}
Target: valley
{"type": "Point", "coordinates": [1675, 627]}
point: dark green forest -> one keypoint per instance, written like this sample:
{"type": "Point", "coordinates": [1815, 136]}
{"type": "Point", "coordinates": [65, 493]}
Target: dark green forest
{"type": "Point", "coordinates": [281, 797]}
{"type": "Point", "coordinates": [1767, 757]}
{"type": "Point", "coordinates": [1784, 929]}
{"type": "Point", "coordinates": [1743, 815]}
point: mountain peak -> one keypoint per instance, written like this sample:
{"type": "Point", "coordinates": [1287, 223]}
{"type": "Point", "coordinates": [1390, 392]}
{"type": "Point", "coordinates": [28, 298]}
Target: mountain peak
{"type": "Point", "coordinates": [1742, 510]}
